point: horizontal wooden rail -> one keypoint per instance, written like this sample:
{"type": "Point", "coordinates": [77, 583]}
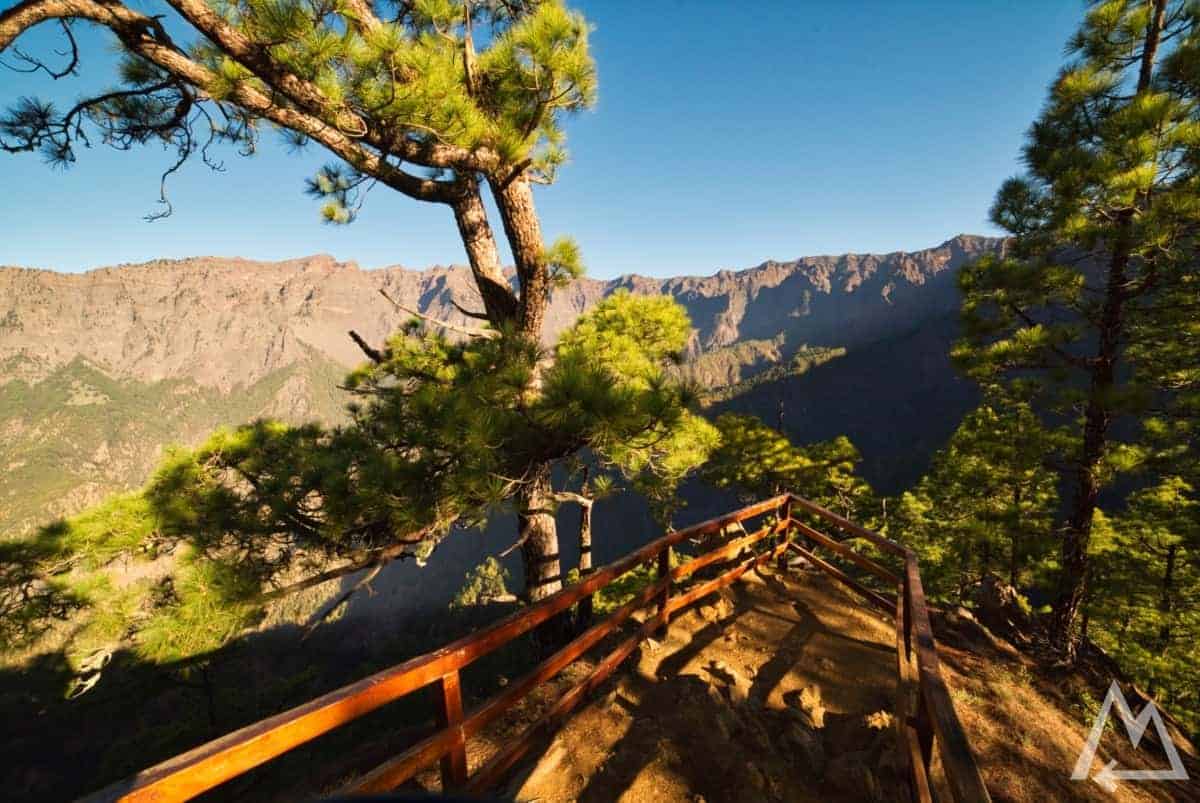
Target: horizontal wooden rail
{"type": "Point", "coordinates": [847, 526]}
{"type": "Point", "coordinates": [217, 761]}
{"type": "Point", "coordinates": [846, 552]}
{"type": "Point", "coordinates": [864, 592]}
{"type": "Point", "coordinates": [923, 706]}
{"type": "Point", "coordinates": [935, 714]}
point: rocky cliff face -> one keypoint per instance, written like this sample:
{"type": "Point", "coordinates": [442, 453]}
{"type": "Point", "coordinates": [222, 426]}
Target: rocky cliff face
{"type": "Point", "coordinates": [120, 361]}
{"type": "Point", "coordinates": [228, 322]}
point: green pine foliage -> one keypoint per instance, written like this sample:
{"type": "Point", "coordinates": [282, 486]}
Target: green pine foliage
{"type": "Point", "coordinates": [758, 461]}
{"type": "Point", "coordinates": [485, 583]}
{"type": "Point", "coordinates": [1144, 607]}
{"type": "Point", "coordinates": [986, 505]}
{"type": "Point", "coordinates": [440, 433]}
{"type": "Point", "coordinates": [1076, 318]}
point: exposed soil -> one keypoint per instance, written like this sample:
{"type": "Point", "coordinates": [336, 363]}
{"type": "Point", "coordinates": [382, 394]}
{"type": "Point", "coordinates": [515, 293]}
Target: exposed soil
{"type": "Point", "coordinates": [773, 691]}
{"type": "Point", "coordinates": [780, 690]}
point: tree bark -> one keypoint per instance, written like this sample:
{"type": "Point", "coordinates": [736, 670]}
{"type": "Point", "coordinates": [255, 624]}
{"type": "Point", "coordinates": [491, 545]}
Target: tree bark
{"type": "Point", "coordinates": [539, 536]}
{"type": "Point", "coordinates": [514, 199]}
{"type": "Point", "coordinates": [585, 558]}
{"type": "Point", "coordinates": [499, 301]}
{"type": "Point", "coordinates": [1014, 557]}
{"type": "Point", "coordinates": [1072, 584]}
{"type": "Point", "coordinates": [1098, 416]}
{"type": "Point", "coordinates": [1166, 602]}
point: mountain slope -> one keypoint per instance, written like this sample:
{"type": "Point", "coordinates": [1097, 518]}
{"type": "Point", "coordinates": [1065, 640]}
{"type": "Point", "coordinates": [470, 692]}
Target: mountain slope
{"type": "Point", "coordinates": [98, 371]}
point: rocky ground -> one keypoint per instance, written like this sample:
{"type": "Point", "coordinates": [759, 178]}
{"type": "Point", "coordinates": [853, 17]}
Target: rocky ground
{"type": "Point", "coordinates": [780, 689]}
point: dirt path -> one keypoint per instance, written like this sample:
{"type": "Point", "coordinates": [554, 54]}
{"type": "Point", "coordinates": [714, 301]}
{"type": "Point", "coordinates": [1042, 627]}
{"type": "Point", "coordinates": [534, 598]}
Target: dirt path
{"type": "Point", "coordinates": [769, 692]}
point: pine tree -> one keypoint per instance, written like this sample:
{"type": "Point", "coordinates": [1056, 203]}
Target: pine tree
{"type": "Point", "coordinates": [758, 461]}
{"type": "Point", "coordinates": [433, 99]}
{"type": "Point", "coordinates": [441, 433]}
{"type": "Point", "coordinates": [986, 505]}
{"type": "Point", "coordinates": [399, 94]}
{"type": "Point", "coordinates": [1104, 227]}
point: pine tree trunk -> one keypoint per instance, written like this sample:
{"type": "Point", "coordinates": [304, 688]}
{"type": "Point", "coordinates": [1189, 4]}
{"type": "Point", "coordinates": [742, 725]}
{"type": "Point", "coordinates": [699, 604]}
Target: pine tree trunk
{"type": "Point", "coordinates": [499, 302]}
{"type": "Point", "coordinates": [1098, 416]}
{"type": "Point", "coordinates": [585, 539]}
{"type": "Point", "coordinates": [515, 202]}
{"type": "Point", "coordinates": [1167, 600]}
{"type": "Point", "coordinates": [539, 536]}
{"type": "Point", "coordinates": [1072, 584]}
{"type": "Point", "coordinates": [1014, 556]}
{"type": "Point", "coordinates": [585, 559]}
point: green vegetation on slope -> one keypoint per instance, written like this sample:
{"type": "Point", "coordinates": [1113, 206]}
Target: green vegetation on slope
{"type": "Point", "coordinates": [734, 358]}
{"type": "Point", "coordinates": [79, 434]}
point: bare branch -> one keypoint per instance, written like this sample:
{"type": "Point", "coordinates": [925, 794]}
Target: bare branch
{"type": "Point", "coordinates": [328, 610]}
{"type": "Point", "coordinates": [482, 316]}
{"type": "Point", "coordinates": [146, 36]}
{"type": "Point", "coordinates": [568, 496]}
{"type": "Point", "coordinates": [373, 354]}
{"type": "Point", "coordinates": [36, 64]}
{"type": "Point", "coordinates": [462, 330]}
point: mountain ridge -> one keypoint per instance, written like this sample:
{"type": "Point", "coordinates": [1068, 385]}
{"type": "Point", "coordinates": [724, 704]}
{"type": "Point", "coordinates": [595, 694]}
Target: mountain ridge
{"type": "Point", "coordinates": [100, 371]}
{"type": "Point", "coordinates": [137, 323]}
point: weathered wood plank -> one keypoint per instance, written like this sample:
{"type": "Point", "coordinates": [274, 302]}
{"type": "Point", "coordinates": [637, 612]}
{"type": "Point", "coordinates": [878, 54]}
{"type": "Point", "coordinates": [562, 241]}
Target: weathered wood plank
{"type": "Point", "coordinates": [962, 772]}
{"type": "Point", "coordinates": [867, 594]}
{"type": "Point", "coordinates": [848, 526]}
{"type": "Point", "coordinates": [847, 553]}
{"type": "Point", "coordinates": [664, 576]}
{"type": "Point", "coordinates": [450, 717]}
{"type": "Point", "coordinates": [725, 551]}
{"type": "Point", "coordinates": [704, 589]}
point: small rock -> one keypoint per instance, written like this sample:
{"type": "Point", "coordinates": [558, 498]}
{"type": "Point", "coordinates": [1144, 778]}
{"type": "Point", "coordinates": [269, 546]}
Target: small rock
{"type": "Point", "coordinates": [810, 704]}
{"type": "Point", "coordinates": [880, 720]}
{"type": "Point", "coordinates": [716, 611]}
{"type": "Point", "coordinates": [849, 733]}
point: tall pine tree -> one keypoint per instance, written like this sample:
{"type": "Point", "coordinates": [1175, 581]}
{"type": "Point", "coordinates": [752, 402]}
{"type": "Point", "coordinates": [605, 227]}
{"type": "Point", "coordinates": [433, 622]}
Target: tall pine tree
{"type": "Point", "coordinates": [1104, 222]}
{"type": "Point", "coordinates": [986, 504]}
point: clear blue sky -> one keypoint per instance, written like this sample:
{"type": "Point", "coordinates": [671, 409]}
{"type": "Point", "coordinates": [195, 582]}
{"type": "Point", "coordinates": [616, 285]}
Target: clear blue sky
{"type": "Point", "coordinates": [727, 133]}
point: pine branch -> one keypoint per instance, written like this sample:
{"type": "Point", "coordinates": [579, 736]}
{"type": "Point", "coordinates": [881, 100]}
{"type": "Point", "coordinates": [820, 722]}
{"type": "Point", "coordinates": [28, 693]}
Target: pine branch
{"type": "Point", "coordinates": [462, 330]}
{"type": "Point", "coordinates": [374, 355]}
{"type": "Point", "coordinates": [341, 599]}
{"type": "Point", "coordinates": [482, 316]}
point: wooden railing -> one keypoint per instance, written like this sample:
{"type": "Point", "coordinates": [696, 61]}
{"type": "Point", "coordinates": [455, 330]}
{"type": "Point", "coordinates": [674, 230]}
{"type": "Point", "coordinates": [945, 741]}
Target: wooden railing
{"type": "Point", "coordinates": [923, 711]}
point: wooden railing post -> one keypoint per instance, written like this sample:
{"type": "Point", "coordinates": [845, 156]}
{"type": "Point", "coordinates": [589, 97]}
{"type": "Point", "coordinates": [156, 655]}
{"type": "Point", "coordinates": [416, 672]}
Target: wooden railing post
{"type": "Point", "coordinates": [785, 517]}
{"type": "Point", "coordinates": [664, 573]}
{"type": "Point", "coordinates": [450, 715]}
{"type": "Point", "coordinates": [906, 591]}
{"type": "Point", "coordinates": [923, 726]}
